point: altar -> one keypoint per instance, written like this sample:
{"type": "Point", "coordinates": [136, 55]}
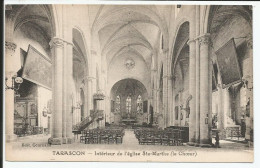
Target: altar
{"type": "Point", "coordinates": [128, 121]}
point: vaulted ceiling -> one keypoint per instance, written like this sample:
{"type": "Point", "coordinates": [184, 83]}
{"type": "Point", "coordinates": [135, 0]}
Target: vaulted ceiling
{"type": "Point", "coordinates": [35, 15]}
{"type": "Point", "coordinates": [221, 14]}
{"type": "Point", "coordinates": [128, 30]}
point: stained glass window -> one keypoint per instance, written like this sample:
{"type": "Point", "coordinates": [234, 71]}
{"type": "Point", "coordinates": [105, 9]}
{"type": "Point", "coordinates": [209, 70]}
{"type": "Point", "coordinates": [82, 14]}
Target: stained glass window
{"type": "Point", "coordinates": [139, 104]}
{"type": "Point", "coordinates": [118, 103]}
{"type": "Point", "coordinates": [128, 104]}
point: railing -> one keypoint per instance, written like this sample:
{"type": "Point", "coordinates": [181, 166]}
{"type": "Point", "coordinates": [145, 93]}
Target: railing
{"type": "Point", "coordinates": [233, 133]}
{"type": "Point", "coordinates": [82, 125]}
{"type": "Point", "coordinates": [99, 115]}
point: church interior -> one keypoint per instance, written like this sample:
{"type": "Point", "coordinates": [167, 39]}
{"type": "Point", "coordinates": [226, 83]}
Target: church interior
{"type": "Point", "coordinates": [153, 75]}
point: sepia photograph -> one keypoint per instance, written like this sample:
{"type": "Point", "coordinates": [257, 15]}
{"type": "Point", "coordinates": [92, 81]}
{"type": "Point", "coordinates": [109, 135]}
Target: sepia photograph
{"type": "Point", "coordinates": [128, 82]}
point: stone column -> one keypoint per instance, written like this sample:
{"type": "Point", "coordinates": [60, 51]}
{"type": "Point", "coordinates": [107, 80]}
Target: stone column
{"type": "Point", "coordinates": [192, 91]}
{"type": "Point", "coordinates": [150, 100]}
{"type": "Point", "coordinates": [170, 111]}
{"type": "Point", "coordinates": [192, 77]}
{"type": "Point", "coordinates": [154, 99]}
{"type": "Point", "coordinates": [226, 106]}
{"type": "Point", "coordinates": [64, 92]}
{"type": "Point", "coordinates": [158, 100]}
{"type": "Point", "coordinates": [249, 77]}
{"type": "Point", "coordinates": [165, 97]}
{"type": "Point", "coordinates": [220, 111]}
{"type": "Point", "coordinates": [108, 110]}
{"type": "Point", "coordinates": [173, 106]}
{"type": "Point", "coordinates": [197, 98]}
{"type": "Point", "coordinates": [249, 85]}
{"type": "Point", "coordinates": [69, 79]}
{"type": "Point", "coordinates": [9, 93]}
{"type": "Point", "coordinates": [89, 80]}
{"type": "Point", "coordinates": [165, 87]}
{"type": "Point", "coordinates": [159, 112]}
{"type": "Point", "coordinates": [179, 109]}
{"type": "Point", "coordinates": [57, 63]}
{"type": "Point", "coordinates": [154, 71]}
{"type": "Point", "coordinates": [205, 139]}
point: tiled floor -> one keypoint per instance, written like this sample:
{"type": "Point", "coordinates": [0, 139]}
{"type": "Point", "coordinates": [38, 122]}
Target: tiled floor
{"type": "Point", "coordinates": [129, 142]}
{"type": "Point", "coordinates": [43, 151]}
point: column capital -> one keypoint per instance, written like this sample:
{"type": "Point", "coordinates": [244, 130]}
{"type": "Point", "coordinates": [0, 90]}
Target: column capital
{"type": "Point", "coordinates": [204, 39]}
{"type": "Point", "coordinates": [59, 42]}
{"type": "Point", "coordinates": [249, 41]}
{"type": "Point", "coordinates": [191, 41]}
{"type": "Point", "coordinates": [56, 42]}
{"type": "Point", "coordinates": [10, 46]}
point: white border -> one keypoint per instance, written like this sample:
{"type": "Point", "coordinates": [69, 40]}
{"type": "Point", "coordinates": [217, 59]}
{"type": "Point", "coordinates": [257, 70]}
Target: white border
{"type": "Point", "coordinates": [129, 2]}
{"type": "Point", "coordinates": [256, 46]}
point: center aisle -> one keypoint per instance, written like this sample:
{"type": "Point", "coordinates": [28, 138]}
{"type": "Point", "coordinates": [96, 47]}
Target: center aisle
{"type": "Point", "coordinates": [129, 138]}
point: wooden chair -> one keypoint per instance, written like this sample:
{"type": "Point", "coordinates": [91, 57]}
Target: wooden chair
{"type": "Point", "coordinates": [179, 138]}
{"type": "Point", "coordinates": [158, 138]}
{"type": "Point", "coordinates": [89, 138]}
{"type": "Point", "coordinates": [95, 138]}
{"type": "Point", "coordinates": [83, 136]}
{"type": "Point", "coordinates": [119, 138]}
{"type": "Point", "coordinates": [165, 139]}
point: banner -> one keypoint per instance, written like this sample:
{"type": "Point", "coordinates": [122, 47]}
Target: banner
{"type": "Point", "coordinates": [228, 64]}
{"type": "Point", "coordinates": [37, 68]}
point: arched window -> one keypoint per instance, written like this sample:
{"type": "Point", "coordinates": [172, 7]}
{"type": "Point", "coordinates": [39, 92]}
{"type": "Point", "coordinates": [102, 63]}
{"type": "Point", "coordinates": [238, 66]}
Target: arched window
{"type": "Point", "coordinates": [128, 104]}
{"type": "Point", "coordinates": [118, 103]}
{"type": "Point", "coordinates": [139, 104]}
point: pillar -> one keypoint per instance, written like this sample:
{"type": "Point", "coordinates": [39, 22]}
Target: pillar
{"type": "Point", "coordinates": [197, 97]}
{"type": "Point", "coordinates": [57, 56]}
{"type": "Point", "coordinates": [179, 108]}
{"type": "Point", "coordinates": [158, 100]}
{"type": "Point", "coordinates": [165, 97]}
{"type": "Point", "coordinates": [192, 78]}
{"type": "Point", "coordinates": [64, 92]}
{"type": "Point", "coordinates": [154, 71]}
{"type": "Point", "coordinates": [170, 109]}
{"type": "Point", "coordinates": [205, 139]}
{"type": "Point", "coordinates": [108, 109]}
{"type": "Point", "coordinates": [226, 107]}
{"type": "Point", "coordinates": [192, 91]}
{"type": "Point", "coordinates": [173, 105]}
{"type": "Point", "coordinates": [9, 93]}
{"type": "Point", "coordinates": [249, 79]}
{"type": "Point", "coordinates": [150, 100]}
{"type": "Point", "coordinates": [68, 80]}
{"type": "Point", "coordinates": [220, 111]}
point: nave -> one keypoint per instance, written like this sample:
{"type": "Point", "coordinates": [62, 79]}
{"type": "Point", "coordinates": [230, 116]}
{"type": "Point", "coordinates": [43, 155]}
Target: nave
{"type": "Point", "coordinates": [154, 77]}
